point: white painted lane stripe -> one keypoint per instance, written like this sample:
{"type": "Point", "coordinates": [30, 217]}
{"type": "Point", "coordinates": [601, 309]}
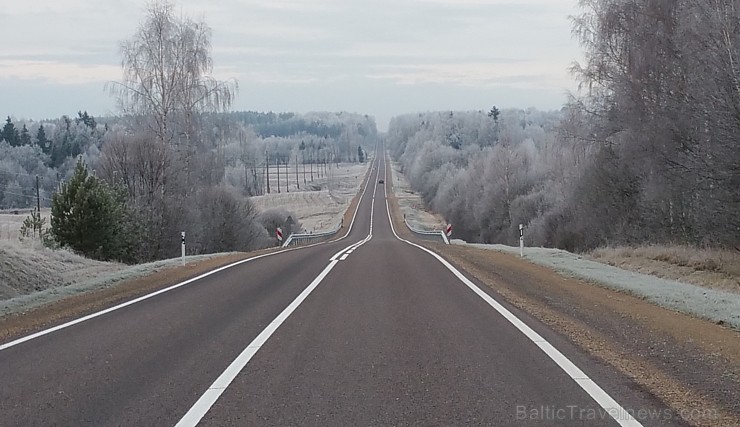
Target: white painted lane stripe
{"type": "Point", "coordinates": [351, 247]}
{"type": "Point", "coordinates": [161, 291]}
{"type": "Point", "coordinates": [211, 395]}
{"type": "Point", "coordinates": [620, 415]}
{"type": "Point", "coordinates": [206, 401]}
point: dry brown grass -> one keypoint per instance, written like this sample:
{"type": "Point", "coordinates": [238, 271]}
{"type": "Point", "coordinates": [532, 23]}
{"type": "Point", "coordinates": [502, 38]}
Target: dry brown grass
{"type": "Point", "coordinates": [10, 223]}
{"type": "Point", "coordinates": [712, 268]}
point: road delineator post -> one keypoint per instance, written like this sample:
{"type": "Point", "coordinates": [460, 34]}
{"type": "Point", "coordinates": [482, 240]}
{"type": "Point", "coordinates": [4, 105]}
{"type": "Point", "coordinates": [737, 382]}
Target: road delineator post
{"type": "Point", "coordinates": [521, 240]}
{"type": "Point", "coordinates": [182, 247]}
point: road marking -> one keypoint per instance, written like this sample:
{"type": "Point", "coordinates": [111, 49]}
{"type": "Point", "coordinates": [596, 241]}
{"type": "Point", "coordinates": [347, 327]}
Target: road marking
{"type": "Point", "coordinates": [181, 284]}
{"type": "Point", "coordinates": [619, 414]}
{"type": "Point", "coordinates": [196, 413]}
{"type": "Point", "coordinates": [351, 248]}
{"type": "Point", "coordinates": [206, 401]}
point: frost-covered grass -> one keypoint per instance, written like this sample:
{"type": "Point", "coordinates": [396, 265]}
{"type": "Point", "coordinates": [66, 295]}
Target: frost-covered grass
{"type": "Point", "coordinates": [319, 205]}
{"type": "Point", "coordinates": [716, 305]}
{"type": "Point", "coordinates": [10, 223]}
{"type": "Point", "coordinates": [28, 266]}
{"type": "Point", "coordinates": [714, 268]}
{"type": "Point", "coordinates": [411, 204]}
{"type": "Point", "coordinates": [31, 275]}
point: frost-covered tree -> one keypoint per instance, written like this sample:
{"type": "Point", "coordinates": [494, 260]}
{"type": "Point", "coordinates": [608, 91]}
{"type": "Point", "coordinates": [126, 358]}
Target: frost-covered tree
{"type": "Point", "coordinates": [167, 79]}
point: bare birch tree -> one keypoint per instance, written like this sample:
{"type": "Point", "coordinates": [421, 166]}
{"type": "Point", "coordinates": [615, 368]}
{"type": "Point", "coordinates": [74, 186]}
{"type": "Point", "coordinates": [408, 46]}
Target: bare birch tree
{"type": "Point", "coordinates": [167, 81]}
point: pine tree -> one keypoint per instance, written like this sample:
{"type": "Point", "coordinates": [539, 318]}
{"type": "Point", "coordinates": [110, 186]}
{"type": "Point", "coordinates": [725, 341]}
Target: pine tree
{"type": "Point", "coordinates": [88, 216]}
{"type": "Point", "coordinates": [42, 142]}
{"type": "Point", "coordinates": [10, 133]}
{"type": "Point", "coordinates": [86, 119]}
{"type": "Point", "coordinates": [25, 137]}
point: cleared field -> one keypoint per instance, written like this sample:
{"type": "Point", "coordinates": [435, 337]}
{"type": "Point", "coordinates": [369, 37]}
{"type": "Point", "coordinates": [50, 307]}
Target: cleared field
{"type": "Point", "coordinates": [319, 205]}
{"type": "Point", "coordinates": [10, 222]}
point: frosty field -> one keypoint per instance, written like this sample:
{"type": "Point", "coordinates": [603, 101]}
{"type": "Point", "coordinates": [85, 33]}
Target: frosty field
{"type": "Point", "coordinates": [319, 205]}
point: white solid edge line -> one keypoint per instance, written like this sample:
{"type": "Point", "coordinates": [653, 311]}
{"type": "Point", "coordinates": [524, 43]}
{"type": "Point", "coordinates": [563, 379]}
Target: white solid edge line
{"type": "Point", "coordinates": [178, 285]}
{"type": "Point", "coordinates": [619, 414]}
{"type": "Point", "coordinates": [206, 401]}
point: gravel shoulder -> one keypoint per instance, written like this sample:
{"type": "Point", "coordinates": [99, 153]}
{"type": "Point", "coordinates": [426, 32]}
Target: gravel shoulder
{"type": "Point", "coordinates": [691, 364]}
{"type": "Point", "coordinates": [719, 306]}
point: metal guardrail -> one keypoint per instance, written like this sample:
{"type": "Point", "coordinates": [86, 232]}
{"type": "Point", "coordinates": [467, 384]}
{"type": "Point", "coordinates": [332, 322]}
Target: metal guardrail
{"type": "Point", "coordinates": [297, 239]}
{"type": "Point", "coordinates": [427, 234]}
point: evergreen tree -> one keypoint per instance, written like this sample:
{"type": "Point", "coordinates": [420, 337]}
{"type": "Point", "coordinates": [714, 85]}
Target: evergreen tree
{"type": "Point", "coordinates": [86, 119]}
{"type": "Point", "coordinates": [25, 137]}
{"type": "Point", "coordinates": [494, 114]}
{"type": "Point", "coordinates": [360, 154]}
{"type": "Point", "coordinates": [89, 216]}
{"type": "Point", "coordinates": [10, 133]}
{"type": "Point", "coordinates": [42, 142]}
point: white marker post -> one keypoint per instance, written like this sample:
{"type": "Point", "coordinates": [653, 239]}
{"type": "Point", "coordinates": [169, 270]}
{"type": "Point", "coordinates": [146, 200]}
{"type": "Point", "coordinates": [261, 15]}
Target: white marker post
{"type": "Point", "coordinates": [182, 247]}
{"type": "Point", "coordinates": [521, 240]}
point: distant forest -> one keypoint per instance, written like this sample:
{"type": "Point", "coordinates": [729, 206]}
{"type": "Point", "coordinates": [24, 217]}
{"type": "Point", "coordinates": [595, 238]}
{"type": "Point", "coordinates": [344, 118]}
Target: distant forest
{"type": "Point", "coordinates": [201, 185]}
{"type": "Point", "coordinates": [650, 153]}
{"type": "Point", "coordinates": [234, 140]}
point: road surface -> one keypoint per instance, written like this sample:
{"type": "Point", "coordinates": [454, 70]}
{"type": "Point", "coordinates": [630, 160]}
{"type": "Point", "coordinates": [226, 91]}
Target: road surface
{"type": "Point", "coordinates": [367, 330]}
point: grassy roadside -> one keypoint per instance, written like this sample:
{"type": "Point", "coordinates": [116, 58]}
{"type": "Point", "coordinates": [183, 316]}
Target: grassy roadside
{"type": "Point", "coordinates": [711, 268]}
{"type": "Point", "coordinates": [56, 312]}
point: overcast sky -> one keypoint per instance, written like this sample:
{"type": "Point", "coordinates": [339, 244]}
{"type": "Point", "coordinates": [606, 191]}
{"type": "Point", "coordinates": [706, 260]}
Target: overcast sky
{"type": "Point", "coordinates": [377, 57]}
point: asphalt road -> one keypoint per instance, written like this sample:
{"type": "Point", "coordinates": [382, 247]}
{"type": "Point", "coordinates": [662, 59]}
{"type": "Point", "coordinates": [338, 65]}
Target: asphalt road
{"type": "Point", "coordinates": [368, 330]}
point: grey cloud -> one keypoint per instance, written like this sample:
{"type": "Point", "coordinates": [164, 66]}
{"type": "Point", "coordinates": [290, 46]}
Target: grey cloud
{"type": "Point", "coordinates": [323, 47]}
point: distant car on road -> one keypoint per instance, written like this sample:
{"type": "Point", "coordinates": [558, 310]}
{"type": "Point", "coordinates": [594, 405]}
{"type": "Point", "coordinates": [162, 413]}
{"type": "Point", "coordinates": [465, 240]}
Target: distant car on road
{"type": "Point", "coordinates": [380, 181]}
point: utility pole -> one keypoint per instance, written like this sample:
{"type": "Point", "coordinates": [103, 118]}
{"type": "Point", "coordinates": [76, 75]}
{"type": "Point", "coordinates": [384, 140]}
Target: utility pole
{"type": "Point", "coordinates": [311, 162]}
{"type": "Point", "coordinates": [267, 169]}
{"type": "Point", "coordinates": [297, 184]}
{"type": "Point", "coordinates": [257, 190]}
{"type": "Point", "coordinates": [38, 196]}
{"type": "Point", "coordinates": [38, 206]}
{"type": "Point", "coordinates": [304, 167]}
{"type": "Point", "coordinates": [246, 176]}
{"type": "Point", "coordinates": [287, 175]}
{"type": "Point", "coordinates": [277, 162]}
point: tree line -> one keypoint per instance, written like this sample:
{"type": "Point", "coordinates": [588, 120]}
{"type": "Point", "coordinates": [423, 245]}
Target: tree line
{"type": "Point", "coordinates": [174, 159]}
{"type": "Point", "coordinates": [646, 152]}
{"type": "Point", "coordinates": [541, 169]}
